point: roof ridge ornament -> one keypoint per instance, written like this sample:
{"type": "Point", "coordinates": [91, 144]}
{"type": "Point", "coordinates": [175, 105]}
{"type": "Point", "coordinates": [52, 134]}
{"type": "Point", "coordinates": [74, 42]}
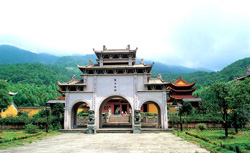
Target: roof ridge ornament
{"type": "Point", "coordinates": [128, 47]}
{"type": "Point", "coordinates": [91, 63]}
{"type": "Point", "coordinates": [104, 48]}
{"type": "Point", "coordinates": [159, 76]}
{"type": "Point", "coordinates": [142, 61]}
{"type": "Point", "coordinates": [73, 77]}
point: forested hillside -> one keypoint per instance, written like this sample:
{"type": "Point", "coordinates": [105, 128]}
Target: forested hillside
{"type": "Point", "coordinates": [36, 83]}
{"type": "Point", "coordinates": [37, 74]}
{"type": "Point", "coordinates": [230, 72]}
{"type": "Point", "coordinates": [13, 55]}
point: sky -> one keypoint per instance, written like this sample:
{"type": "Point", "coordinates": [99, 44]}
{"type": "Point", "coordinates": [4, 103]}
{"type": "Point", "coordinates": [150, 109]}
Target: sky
{"type": "Point", "coordinates": [195, 33]}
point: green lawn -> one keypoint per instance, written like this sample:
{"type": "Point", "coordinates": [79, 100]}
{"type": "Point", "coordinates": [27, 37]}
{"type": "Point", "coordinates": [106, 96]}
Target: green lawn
{"type": "Point", "coordinates": [213, 140]}
{"type": "Point", "coordinates": [19, 137]}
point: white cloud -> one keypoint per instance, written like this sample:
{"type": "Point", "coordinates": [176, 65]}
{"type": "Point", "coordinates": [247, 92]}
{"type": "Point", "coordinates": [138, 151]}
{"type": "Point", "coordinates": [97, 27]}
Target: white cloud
{"type": "Point", "coordinates": [163, 30]}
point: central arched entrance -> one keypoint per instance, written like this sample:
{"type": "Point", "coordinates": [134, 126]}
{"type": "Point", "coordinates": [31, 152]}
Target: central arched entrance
{"type": "Point", "coordinates": [79, 115]}
{"type": "Point", "coordinates": [115, 112]}
{"type": "Point", "coordinates": [151, 115]}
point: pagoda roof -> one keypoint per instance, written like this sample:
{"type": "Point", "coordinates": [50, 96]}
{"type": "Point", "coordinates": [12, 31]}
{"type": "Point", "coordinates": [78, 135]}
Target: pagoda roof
{"type": "Point", "coordinates": [182, 83]}
{"type": "Point", "coordinates": [156, 81]}
{"type": "Point", "coordinates": [180, 97]}
{"type": "Point", "coordinates": [115, 51]}
{"type": "Point", "coordinates": [61, 98]}
{"type": "Point", "coordinates": [73, 82]}
{"type": "Point", "coordinates": [59, 90]}
{"type": "Point", "coordinates": [191, 90]}
{"type": "Point", "coordinates": [116, 66]}
{"type": "Point", "coordinates": [107, 51]}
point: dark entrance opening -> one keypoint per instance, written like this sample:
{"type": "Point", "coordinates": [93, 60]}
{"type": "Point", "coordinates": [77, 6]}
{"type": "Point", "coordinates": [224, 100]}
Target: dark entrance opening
{"type": "Point", "coordinates": [151, 115]}
{"type": "Point", "coordinates": [124, 108]}
{"type": "Point", "coordinates": [115, 112]}
{"type": "Point", "coordinates": [79, 115]}
{"type": "Point", "coordinates": [145, 107]}
{"type": "Point", "coordinates": [116, 109]}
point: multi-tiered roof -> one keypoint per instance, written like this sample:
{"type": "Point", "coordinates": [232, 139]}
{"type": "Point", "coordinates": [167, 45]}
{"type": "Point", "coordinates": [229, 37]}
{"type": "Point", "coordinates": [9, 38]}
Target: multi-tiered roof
{"type": "Point", "coordinates": [180, 90]}
{"type": "Point", "coordinates": [114, 62]}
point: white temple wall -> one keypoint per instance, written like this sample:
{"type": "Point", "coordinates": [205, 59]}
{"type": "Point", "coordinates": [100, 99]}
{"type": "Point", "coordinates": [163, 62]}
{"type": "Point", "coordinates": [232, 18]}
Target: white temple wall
{"type": "Point", "coordinates": [89, 83]}
{"type": "Point", "coordinates": [140, 82]}
{"type": "Point", "coordinates": [71, 100]}
{"type": "Point", "coordinates": [108, 86]}
{"type": "Point", "coordinates": [158, 98]}
{"type": "Point", "coordinates": [101, 87]}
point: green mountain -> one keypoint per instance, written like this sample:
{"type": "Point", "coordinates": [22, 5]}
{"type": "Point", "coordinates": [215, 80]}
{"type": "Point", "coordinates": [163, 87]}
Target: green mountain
{"type": "Point", "coordinates": [36, 82]}
{"type": "Point", "coordinates": [34, 73]}
{"type": "Point", "coordinates": [230, 72]}
{"type": "Point", "coordinates": [13, 55]}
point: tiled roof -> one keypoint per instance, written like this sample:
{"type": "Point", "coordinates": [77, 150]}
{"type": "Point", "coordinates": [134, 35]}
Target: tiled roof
{"type": "Point", "coordinates": [192, 89]}
{"type": "Point", "coordinates": [74, 81]}
{"type": "Point", "coordinates": [182, 83]}
{"type": "Point", "coordinates": [156, 81]}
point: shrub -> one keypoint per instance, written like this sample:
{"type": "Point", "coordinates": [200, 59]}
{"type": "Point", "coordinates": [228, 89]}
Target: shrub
{"type": "Point", "coordinates": [202, 126]}
{"type": "Point", "coordinates": [23, 114]}
{"type": "Point", "coordinates": [55, 126]}
{"type": "Point", "coordinates": [41, 113]}
{"type": "Point", "coordinates": [30, 128]}
{"type": "Point", "coordinates": [82, 113]}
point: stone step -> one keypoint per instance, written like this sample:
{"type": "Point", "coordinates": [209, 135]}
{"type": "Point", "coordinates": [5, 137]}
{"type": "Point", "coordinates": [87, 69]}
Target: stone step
{"type": "Point", "coordinates": [119, 119]}
{"type": "Point", "coordinates": [115, 130]}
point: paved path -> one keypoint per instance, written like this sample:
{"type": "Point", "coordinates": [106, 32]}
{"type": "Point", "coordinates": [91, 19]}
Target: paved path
{"type": "Point", "coordinates": [108, 142]}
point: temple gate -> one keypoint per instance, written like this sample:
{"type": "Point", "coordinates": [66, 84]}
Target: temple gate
{"type": "Point", "coordinates": [114, 78]}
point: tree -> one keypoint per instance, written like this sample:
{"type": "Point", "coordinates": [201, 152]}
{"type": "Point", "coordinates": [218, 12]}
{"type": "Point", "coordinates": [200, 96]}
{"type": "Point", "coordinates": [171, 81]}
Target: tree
{"type": "Point", "coordinates": [5, 99]}
{"type": "Point", "coordinates": [58, 110]}
{"type": "Point", "coordinates": [219, 96]}
{"type": "Point", "coordinates": [240, 106]}
{"type": "Point", "coordinates": [187, 108]}
{"type": "Point", "coordinates": [204, 107]}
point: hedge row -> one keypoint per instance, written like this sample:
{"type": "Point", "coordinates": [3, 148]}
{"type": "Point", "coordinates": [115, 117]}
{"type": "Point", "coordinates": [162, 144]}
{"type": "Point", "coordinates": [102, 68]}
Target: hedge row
{"type": "Point", "coordinates": [237, 149]}
{"type": "Point", "coordinates": [20, 137]}
{"type": "Point", "coordinates": [21, 120]}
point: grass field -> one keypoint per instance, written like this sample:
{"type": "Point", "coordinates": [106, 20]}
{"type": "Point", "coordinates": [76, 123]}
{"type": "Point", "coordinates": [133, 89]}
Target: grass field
{"type": "Point", "coordinates": [15, 138]}
{"type": "Point", "coordinates": [215, 141]}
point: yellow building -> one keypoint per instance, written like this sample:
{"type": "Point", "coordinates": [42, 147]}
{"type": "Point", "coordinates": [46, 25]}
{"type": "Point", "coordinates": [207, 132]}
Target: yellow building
{"type": "Point", "coordinates": [12, 110]}
{"type": "Point", "coordinates": [173, 109]}
{"type": "Point", "coordinates": [85, 110]}
{"type": "Point", "coordinates": [152, 108]}
{"type": "Point", "coordinates": [31, 110]}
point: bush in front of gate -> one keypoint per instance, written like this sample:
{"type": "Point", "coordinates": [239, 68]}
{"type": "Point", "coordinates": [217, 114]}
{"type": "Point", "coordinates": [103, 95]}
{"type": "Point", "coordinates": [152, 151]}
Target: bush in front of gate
{"type": "Point", "coordinates": [19, 122]}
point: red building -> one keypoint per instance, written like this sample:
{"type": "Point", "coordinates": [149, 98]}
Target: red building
{"type": "Point", "coordinates": [181, 91]}
{"type": "Point", "coordinates": [117, 106]}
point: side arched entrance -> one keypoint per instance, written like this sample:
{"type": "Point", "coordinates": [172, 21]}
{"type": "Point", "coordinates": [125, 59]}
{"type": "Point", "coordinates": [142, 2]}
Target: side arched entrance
{"type": "Point", "coordinates": [79, 115]}
{"type": "Point", "coordinates": [151, 115]}
{"type": "Point", "coordinates": [115, 112]}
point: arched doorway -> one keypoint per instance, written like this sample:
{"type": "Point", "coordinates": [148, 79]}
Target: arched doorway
{"type": "Point", "coordinates": [151, 115]}
{"type": "Point", "coordinates": [115, 112]}
{"type": "Point", "coordinates": [79, 115]}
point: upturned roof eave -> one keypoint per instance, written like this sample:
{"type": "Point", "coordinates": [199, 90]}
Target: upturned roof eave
{"type": "Point", "coordinates": [68, 84]}
{"type": "Point", "coordinates": [191, 90]}
{"type": "Point", "coordinates": [112, 67]}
